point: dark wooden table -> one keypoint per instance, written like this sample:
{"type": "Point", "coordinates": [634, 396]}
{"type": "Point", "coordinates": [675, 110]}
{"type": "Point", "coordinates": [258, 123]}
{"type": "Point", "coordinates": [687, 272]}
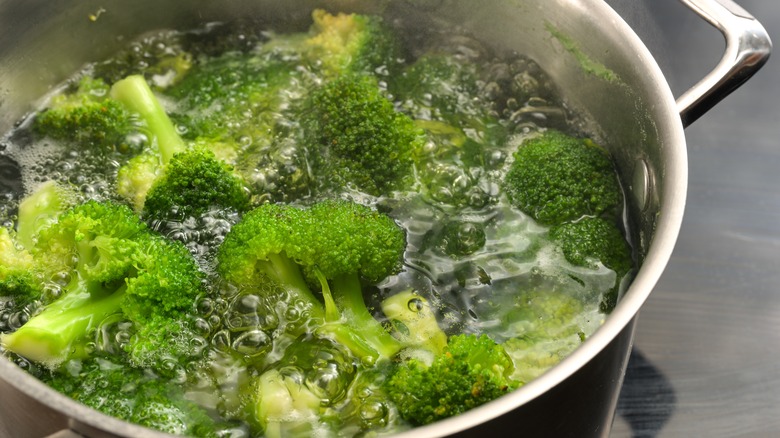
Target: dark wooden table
{"type": "Point", "coordinates": [706, 361]}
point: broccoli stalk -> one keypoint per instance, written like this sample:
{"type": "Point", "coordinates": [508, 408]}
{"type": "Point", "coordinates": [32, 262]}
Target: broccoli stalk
{"type": "Point", "coordinates": [173, 182]}
{"type": "Point", "coordinates": [22, 273]}
{"type": "Point", "coordinates": [289, 399]}
{"type": "Point", "coordinates": [116, 267]}
{"type": "Point", "coordinates": [335, 243]}
{"type": "Point", "coordinates": [135, 94]}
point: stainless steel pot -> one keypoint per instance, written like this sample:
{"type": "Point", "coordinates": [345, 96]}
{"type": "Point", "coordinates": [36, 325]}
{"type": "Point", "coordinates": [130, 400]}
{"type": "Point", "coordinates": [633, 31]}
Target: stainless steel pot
{"type": "Point", "coordinates": [602, 67]}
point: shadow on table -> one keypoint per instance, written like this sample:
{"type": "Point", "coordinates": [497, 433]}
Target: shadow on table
{"type": "Point", "coordinates": [647, 399]}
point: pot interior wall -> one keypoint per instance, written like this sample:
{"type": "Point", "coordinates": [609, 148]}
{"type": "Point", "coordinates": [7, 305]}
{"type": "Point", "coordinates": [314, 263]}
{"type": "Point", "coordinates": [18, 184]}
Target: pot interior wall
{"type": "Point", "coordinates": [601, 73]}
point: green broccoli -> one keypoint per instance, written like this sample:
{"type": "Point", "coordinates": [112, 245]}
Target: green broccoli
{"type": "Point", "coordinates": [90, 118]}
{"type": "Point", "coordinates": [472, 370]}
{"type": "Point", "coordinates": [353, 43]}
{"type": "Point", "coordinates": [556, 178]}
{"type": "Point", "coordinates": [547, 325]}
{"type": "Point", "coordinates": [332, 243]}
{"type": "Point", "coordinates": [23, 276]}
{"type": "Point", "coordinates": [172, 181]}
{"type": "Point", "coordinates": [290, 398]}
{"type": "Point", "coordinates": [243, 107]}
{"type": "Point", "coordinates": [590, 241]}
{"type": "Point", "coordinates": [442, 94]}
{"type": "Point", "coordinates": [132, 395]}
{"type": "Point", "coordinates": [359, 139]}
{"type": "Point", "coordinates": [115, 266]}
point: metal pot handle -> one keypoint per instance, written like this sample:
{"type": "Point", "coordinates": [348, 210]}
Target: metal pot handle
{"type": "Point", "coordinates": [747, 49]}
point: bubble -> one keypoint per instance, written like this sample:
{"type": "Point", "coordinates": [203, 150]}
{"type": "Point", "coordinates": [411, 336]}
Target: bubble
{"type": "Point", "coordinates": [252, 343]}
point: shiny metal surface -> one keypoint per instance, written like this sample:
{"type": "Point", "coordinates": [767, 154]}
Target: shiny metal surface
{"type": "Point", "coordinates": [747, 49]}
{"type": "Point", "coordinates": [705, 360]}
{"type": "Point", "coordinates": [654, 370]}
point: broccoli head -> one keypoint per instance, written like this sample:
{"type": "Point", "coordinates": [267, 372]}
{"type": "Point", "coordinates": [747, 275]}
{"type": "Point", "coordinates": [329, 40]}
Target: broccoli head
{"type": "Point", "coordinates": [557, 178]}
{"type": "Point", "coordinates": [333, 244]}
{"type": "Point", "coordinates": [359, 138]}
{"type": "Point", "coordinates": [90, 118]}
{"type": "Point", "coordinates": [590, 241]}
{"type": "Point", "coordinates": [472, 370]}
{"type": "Point", "coordinates": [547, 326]}
{"type": "Point", "coordinates": [115, 267]}
{"type": "Point", "coordinates": [353, 43]}
{"type": "Point", "coordinates": [181, 182]}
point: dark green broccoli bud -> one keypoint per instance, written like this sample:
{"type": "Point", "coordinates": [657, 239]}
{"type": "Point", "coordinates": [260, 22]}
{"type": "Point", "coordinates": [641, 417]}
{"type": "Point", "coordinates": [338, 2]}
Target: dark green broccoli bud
{"type": "Point", "coordinates": [471, 371]}
{"type": "Point", "coordinates": [353, 43]}
{"type": "Point", "coordinates": [334, 244]}
{"type": "Point", "coordinates": [557, 178]}
{"type": "Point", "coordinates": [193, 182]}
{"type": "Point", "coordinates": [360, 137]}
{"type": "Point", "coordinates": [180, 182]}
{"type": "Point", "coordinates": [591, 241]}
{"type": "Point", "coordinates": [132, 395]}
{"type": "Point", "coordinates": [115, 267]}
{"type": "Point", "coordinates": [88, 117]}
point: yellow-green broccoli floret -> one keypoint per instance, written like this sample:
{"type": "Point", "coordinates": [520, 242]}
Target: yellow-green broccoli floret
{"type": "Point", "coordinates": [353, 43]}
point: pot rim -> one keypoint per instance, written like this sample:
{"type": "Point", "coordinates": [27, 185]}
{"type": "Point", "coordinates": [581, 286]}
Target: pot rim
{"type": "Point", "coordinates": [667, 230]}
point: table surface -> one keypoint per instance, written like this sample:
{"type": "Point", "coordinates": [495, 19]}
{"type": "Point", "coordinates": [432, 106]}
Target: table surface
{"type": "Point", "coordinates": [705, 359]}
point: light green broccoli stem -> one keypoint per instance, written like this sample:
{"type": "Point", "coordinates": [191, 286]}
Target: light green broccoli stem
{"type": "Point", "coordinates": [37, 210]}
{"type": "Point", "coordinates": [59, 332]}
{"type": "Point", "coordinates": [282, 270]}
{"type": "Point", "coordinates": [348, 294]}
{"type": "Point", "coordinates": [414, 321]}
{"type": "Point", "coordinates": [336, 329]}
{"type": "Point", "coordinates": [135, 94]}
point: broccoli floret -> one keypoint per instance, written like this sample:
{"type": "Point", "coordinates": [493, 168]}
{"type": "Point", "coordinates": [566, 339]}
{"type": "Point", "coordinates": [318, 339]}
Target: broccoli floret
{"type": "Point", "coordinates": [472, 370]}
{"type": "Point", "coordinates": [186, 182]}
{"type": "Point", "coordinates": [443, 96]}
{"type": "Point", "coordinates": [290, 398]}
{"type": "Point", "coordinates": [22, 276]}
{"type": "Point", "coordinates": [160, 57]}
{"type": "Point", "coordinates": [360, 137]}
{"type": "Point", "coordinates": [334, 244]}
{"type": "Point", "coordinates": [557, 178]}
{"type": "Point", "coordinates": [132, 395]}
{"type": "Point", "coordinates": [590, 241]}
{"type": "Point", "coordinates": [244, 108]}
{"type": "Point", "coordinates": [353, 43]}
{"type": "Point", "coordinates": [413, 321]}
{"type": "Point", "coordinates": [115, 266]}
{"type": "Point", "coordinates": [546, 328]}
{"type": "Point", "coordinates": [89, 118]}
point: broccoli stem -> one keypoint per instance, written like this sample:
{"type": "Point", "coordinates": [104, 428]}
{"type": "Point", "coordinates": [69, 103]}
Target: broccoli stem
{"type": "Point", "coordinates": [348, 294]}
{"type": "Point", "coordinates": [282, 270]}
{"type": "Point", "coordinates": [135, 94]}
{"type": "Point", "coordinates": [38, 209]}
{"type": "Point", "coordinates": [58, 332]}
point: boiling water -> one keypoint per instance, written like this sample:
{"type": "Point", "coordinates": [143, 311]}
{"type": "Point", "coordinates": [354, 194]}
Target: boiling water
{"type": "Point", "coordinates": [469, 252]}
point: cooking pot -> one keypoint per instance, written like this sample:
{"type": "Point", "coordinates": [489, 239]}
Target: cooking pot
{"type": "Point", "coordinates": [601, 67]}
